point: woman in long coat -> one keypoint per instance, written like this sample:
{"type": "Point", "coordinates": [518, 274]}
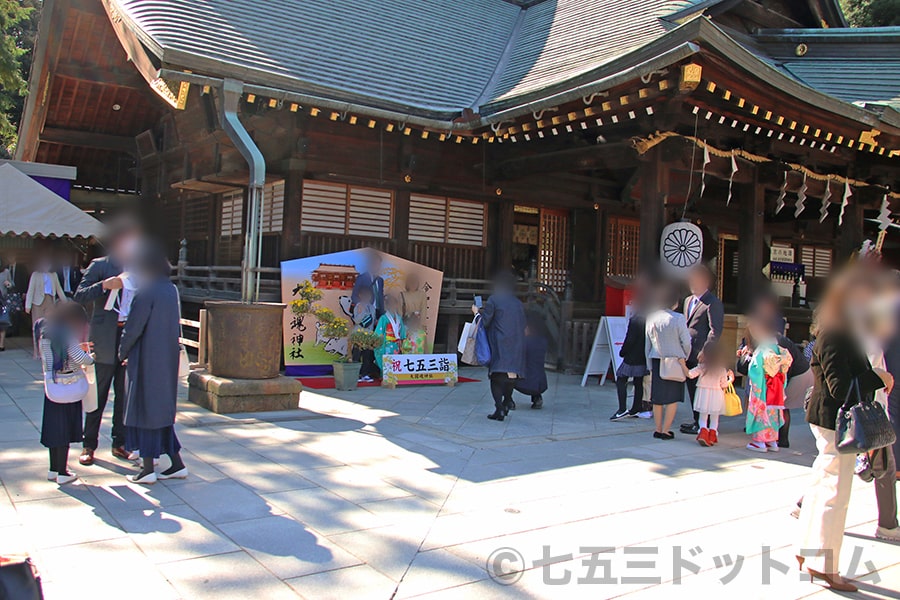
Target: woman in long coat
{"type": "Point", "coordinates": [150, 345]}
{"type": "Point", "coordinates": [503, 318]}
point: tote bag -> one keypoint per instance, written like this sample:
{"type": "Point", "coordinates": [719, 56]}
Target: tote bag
{"type": "Point", "coordinates": [90, 403]}
{"type": "Point", "coordinates": [468, 353]}
{"type": "Point", "coordinates": [66, 388]}
{"type": "Point", "coordinates": [732, 402]}
{"type": "Point", "coordinates": [670, 369]}
{"type": "Point", "coordinates": [184, 363]}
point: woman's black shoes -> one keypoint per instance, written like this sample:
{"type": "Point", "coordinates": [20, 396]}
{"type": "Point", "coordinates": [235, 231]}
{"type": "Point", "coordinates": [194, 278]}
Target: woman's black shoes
{"type": "Point", "coordinates": [496, 416]}
{"type": "Point", "coordinates": [537, 402]}
{"type": "Point", "coordinates": [664, 436]}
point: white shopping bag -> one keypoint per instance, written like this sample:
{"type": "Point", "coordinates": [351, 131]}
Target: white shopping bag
{"type": "Point", "coordinates": [466, 333]}
{"type": "Point", "coordinates": [90, 404]}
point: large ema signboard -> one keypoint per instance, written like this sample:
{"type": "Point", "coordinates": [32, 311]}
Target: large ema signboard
{"type": "Point", "coordinates": [344, 283]}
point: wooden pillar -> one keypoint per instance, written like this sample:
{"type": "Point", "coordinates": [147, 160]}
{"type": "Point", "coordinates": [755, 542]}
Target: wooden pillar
{"type": "Point", "coordinates": [654, 178]}
{"type": "Point", "coordinates": [601, 243]}
{"type": "Point", "coordinates": [751, 245]}
{"type": "Point", "coordinates": [502, 235]}
{"type": "Point", "coordinates": [401, 224]}
{"type": "Point", "coordinates": [291, 243]}
{"type": "Point", "coordinates": [850, 234]}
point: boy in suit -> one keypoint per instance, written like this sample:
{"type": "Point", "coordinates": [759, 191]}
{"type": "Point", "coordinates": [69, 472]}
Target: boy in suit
{"type": "Point", "coordinates": [705, 317]}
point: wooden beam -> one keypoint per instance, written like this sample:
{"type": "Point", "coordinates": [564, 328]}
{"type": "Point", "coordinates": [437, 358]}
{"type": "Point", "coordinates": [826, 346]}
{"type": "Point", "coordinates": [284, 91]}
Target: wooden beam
{"type": "Point", "coordinates": [765, 17]}
{"type": "Point", "coordinates": [116, 77]}
{"type": "Point", "coordinates": [617, 155]}
{"type": "Point", "coordinates": [86, 139]}
{"type": "Point", "coordinates": [654, 177]}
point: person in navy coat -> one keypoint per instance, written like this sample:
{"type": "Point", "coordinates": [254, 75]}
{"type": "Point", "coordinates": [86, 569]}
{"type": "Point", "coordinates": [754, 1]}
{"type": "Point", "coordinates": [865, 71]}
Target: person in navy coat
{"type": "Point", "coordinates": [151, 348]}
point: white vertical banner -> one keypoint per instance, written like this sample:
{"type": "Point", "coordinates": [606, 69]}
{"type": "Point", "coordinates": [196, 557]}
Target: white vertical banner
{"type": "Point", "coordinates": [779, 204]}
{"type": "Point", "coordinates": [734, 169]}
{"type": "Point", "coordinates": [884, 214]}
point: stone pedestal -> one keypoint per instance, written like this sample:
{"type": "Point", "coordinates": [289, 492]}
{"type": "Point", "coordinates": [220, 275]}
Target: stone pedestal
{"type": "Point", "coordinates": [222, 395]}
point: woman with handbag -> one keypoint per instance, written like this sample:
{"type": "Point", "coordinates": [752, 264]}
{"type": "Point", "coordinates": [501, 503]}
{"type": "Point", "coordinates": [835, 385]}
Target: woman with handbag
{"type": "Point", "coordinates": [63, 352]}
{"type": "Point", "coordinates": [151, 348]}
{"type": "Point", "coordinates": [839, 366]}
{"type": "Point", "coordinates": [667, 346]}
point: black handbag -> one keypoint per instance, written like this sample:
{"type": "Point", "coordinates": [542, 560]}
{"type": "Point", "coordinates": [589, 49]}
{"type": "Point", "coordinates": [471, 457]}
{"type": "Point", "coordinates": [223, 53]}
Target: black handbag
{"type": "Point", "coordinates": [19, 579]}
{"type": "Point", "coordinates": [862, 424]}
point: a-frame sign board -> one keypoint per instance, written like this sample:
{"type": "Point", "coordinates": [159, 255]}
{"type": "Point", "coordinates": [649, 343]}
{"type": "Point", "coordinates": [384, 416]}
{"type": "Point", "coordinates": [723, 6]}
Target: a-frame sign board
{"type": "Point", "coordinates": [605, 351]}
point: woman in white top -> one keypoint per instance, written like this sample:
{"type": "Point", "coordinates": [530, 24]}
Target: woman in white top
{"type": "Point", "coordinates": [62, 354]}
{"type": "Point", "coordinates": [667, 337]}
{"type": "Point", "coordinates": [6, 284]}
{"type": "Point", "coordinates": [43, 290]}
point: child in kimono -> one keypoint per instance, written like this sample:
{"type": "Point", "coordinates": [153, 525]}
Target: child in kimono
{"type": "Point", "coordinates": [767, 373]}
{"type": "Point", "coordinates": [364, 318]}
{"type": "Point", "coordinates": [391, 329]}
{"type": "Point", "coordinates": [414, 341]}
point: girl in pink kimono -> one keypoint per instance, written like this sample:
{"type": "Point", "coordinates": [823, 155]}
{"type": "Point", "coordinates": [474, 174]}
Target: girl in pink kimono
{"type": "Point", "coordinates": [765, 402]}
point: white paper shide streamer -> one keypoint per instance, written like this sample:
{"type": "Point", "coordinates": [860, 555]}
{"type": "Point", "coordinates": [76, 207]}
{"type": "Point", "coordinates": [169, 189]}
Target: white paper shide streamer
{"type": "Point", "coordinates": [800, 205]}
{"type": "Point", "coordinates": [845, 201]}
{"type": "Point", "coordinates": [706, 161]}
{"type": "Point", "coordinates": [779, 204]}
{"type": "Point", "coordinates": [734, 169]}
{"type": "Point", "coordinates": [884, 215]}
{"type": "Point", "coordinates": [826, 200]}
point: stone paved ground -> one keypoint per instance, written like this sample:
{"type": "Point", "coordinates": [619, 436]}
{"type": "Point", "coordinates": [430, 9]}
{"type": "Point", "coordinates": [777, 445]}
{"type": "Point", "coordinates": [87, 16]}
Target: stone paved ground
{"type": "Point", "coordinates": [411, 493]}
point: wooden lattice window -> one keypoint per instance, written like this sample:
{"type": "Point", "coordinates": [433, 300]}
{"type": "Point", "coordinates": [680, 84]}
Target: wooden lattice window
{"type": "Point", "coordinates": [273, 207]}
{"type": "Point", "coordinates": [346, 210]}
{"type": "Point", "coordinates": [623, 247]}
{"type": "Point", "coordinates": [553, 251]}
{"type": "Point", "coordinates": [446, 220]}
{"type": "Point", "coordinates": [817, 260]}
{"type": "Point", "coordinates": [232, 219]}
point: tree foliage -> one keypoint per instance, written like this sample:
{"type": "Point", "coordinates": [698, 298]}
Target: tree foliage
{"type": "Point", "coordinates": [872, 13]}
{"type": "Point", "coordinates": [18, 27]}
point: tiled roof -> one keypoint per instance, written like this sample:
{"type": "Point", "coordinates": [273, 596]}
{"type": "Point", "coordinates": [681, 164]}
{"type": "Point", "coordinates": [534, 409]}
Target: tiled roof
{"type": "Point", "coordinates": [430, 55]}
{"type": "Point", "coordinates": [861, 66]}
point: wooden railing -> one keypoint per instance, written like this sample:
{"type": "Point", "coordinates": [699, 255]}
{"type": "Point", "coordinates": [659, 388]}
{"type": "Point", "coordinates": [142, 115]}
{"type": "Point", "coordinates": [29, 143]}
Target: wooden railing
{"type": "Point", "coordinates": [570, 337]}
{"type": "Point", "coordinates": [197, 284]}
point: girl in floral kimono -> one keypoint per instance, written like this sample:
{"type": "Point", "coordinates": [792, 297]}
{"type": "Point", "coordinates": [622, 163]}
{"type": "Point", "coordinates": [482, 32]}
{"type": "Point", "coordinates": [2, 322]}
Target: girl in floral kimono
{"type": "Point", "coordinates": [391, 329]}
{"type": "Point", "coordinates": [767, 373]}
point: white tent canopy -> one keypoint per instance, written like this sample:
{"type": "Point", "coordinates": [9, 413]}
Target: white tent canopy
{"type": "Point", "coordinates": [28, 208]}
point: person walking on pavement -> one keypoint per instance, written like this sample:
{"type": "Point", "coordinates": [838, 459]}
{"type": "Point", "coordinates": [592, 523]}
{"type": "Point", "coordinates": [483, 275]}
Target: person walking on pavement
{"type": "Point", "coordinates": [102, 281]}
{"type": "Point", "coordinates": [705, 317]}
{"type": "Point", "coordinates": [503, 317]}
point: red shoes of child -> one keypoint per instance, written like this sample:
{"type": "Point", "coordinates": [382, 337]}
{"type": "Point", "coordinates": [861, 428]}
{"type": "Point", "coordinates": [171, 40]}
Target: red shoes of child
{"type": "Point", "coordinates": [707, 437]}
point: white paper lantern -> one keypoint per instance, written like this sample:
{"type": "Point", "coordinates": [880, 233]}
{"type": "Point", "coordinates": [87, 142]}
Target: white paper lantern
{"type": "Point", "coordinates": [680, 248]}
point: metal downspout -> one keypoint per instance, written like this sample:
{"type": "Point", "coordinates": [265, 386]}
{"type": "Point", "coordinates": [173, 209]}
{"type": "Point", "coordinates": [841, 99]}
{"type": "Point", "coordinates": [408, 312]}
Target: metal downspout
{"type": "Point", "coordinates": [231, 97]}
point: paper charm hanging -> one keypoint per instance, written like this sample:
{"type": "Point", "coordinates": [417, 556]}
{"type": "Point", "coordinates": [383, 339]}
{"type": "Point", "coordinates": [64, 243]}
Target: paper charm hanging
{"type": "Point", "coordinates": [826, 200]}
{"type": "Point", "coordinates": [680, 248]}
{"type": "Point", "coordinates": [706, 161]}
{"type": "Point", "coordinates": [800, 205]}
{"type": "Point", "coordinates": [845, 201]}
{"type": "Point", "coordinates": [734, 169]}
{"type": "Point", "coordinates": [884, 214]}
{"type": "Point", "coordinates": [779, 204]}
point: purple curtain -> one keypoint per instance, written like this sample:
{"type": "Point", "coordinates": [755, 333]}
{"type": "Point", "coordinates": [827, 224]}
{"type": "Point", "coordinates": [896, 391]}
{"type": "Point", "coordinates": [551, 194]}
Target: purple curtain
{"type": "Point", "coordinates": [60, 187]}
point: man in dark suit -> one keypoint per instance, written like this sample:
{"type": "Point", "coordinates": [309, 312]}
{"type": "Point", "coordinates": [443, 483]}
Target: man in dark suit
{"type": "Point", "coordinates": [100, 279]}
{"type": "Point", "coordinates": [69, 274]}
{"type": "Point", "coordinates": [20, 276]}
{"type": "Point", "coordinates": [705, 317]}
{"type": "Point", "coordinates": [373, 280]}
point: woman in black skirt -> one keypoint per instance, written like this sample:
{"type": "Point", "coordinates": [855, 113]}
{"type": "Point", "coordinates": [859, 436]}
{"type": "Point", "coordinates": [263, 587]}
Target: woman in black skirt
{"type": "Point", "coordinates": [667, 337]}
{"type": "Point", "coordinates": [150, 346]}
{"type": "Point", "coordinates": [62, 352]}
